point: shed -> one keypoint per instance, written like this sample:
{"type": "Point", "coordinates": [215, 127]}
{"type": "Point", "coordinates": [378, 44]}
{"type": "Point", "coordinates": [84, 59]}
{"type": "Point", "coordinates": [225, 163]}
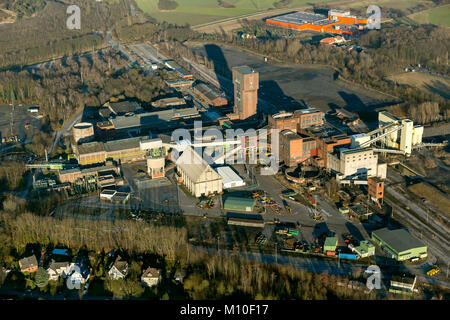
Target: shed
{"type": "Point", "coordinates": [330, 244]}
{"type": "Point", "coordinates": [230, 178]}
{"type": "Point", "coordinates": [239, 204]}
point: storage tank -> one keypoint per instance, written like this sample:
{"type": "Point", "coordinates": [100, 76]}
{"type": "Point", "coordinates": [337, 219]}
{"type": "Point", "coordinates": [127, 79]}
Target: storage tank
{"type": "Point", "coordinates": [83, 132]}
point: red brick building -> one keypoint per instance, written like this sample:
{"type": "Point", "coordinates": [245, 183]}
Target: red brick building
{"type": "Point", "coordinates": [302, 119]}
{"type": "Point", "coordinates": [376, 188]}
{"type": "Point", "coordinates": [295, 148]}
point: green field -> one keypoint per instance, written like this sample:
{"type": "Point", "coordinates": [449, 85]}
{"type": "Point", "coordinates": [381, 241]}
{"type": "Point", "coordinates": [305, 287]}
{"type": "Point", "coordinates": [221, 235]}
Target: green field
{"type": "Point", "coordinates": [395, 4]}
{"type": "Point", "coordinates": [437, 16]}
{"type": "Point", "coordinates": [202, 11]}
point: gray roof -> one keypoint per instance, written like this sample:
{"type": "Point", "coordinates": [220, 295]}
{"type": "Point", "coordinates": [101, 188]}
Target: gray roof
{"type": "Point", "coordinates": [193, 164]}
{"type": "Point", "coordinates": [121, 265]}
{"type": "Point", "coordinates": [57, 265]}
{"type": "Point", "coordinates": [208, 92]}
{"type": "Point", "coordinates": [90, 147]}
{"type": "Point", "coordinates": [116, 145]}
{"type": "Point", "coordinates": [400, 240]}
{"type": "Point", "coordinates": [302, 18]}
{"type": "Point", "coordinates": [123, 107]}
{"type": "Point", "coordinates": [153, 118]}
{"type": "Point", "coordinates": [151, 273]}
{"type": "Point", "coordinates": [28, 262]}
{"type": "Point", "coordinates": [244, 69]}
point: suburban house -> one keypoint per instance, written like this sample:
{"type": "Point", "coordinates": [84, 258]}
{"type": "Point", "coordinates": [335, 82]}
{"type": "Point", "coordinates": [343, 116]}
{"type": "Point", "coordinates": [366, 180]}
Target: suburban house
{"type": "Point", "coordinates": [57, 269]}
{"type": "Point", "coordinates": [119, 269]}
{"type": "Point", "coordinates": [77, 274]}
{"type": "Point", "coordinates": [150, 277]}
{"type": "Point", "coordinates": [28, 264]}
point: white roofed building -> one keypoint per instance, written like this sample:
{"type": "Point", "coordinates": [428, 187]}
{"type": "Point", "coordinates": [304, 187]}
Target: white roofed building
{"type": "Point", "coordinates": [230, 178]}
{"type": "Point", "coordinates": [197, 175]}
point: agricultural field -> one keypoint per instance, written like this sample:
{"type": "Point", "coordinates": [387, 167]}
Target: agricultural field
{"type": "Point", "coordinates": [397, 4]}
{"type": "Point", "coordinates": [437, 16]}
{"type": "Point", "coordinates": [426, 82]}
{"type": "Point", "coordinates": [196, 12]}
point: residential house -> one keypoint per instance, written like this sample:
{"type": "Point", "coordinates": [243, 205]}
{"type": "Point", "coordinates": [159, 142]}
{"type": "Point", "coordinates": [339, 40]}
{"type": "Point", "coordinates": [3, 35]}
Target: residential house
{"type": "Point", "coordinates": [28, 264]}
{"type": "Point", "coordinates": [57, 269]}
{"type": "Point", "coordinates": [78, 274]}
{"type": "Point", "coordinates": [119, 269]}
{"type": "Point", "coordinates": [150, 277]}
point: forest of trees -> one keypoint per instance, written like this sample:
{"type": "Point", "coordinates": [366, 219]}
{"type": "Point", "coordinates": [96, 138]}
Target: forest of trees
{"type": "Point", "coordinates": [72, 83]}
{"type": "Point", "coordinates": [24, 7]}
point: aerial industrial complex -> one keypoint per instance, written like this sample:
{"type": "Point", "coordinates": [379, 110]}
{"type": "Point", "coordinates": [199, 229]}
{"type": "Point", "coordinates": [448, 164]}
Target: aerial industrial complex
{"type": "Point", "coordinates": [129, 156]}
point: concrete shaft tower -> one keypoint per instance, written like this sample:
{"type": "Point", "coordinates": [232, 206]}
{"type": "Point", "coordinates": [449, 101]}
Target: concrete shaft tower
{"type": "Point", "coordinates": [246, 84]}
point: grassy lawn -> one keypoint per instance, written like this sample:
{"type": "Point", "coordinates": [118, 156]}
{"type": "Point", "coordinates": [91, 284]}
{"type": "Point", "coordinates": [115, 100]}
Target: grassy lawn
{"type": "Point", "coordinates": [203, 11]}
{"type": "Point", "coordinates": [427, 82]}
{"type": "Point", "coordinates": [397, 4]}
{"type": "Point", "coordinates": [437, 16]}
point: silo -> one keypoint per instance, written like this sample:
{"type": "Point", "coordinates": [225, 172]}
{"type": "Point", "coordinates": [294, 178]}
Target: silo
{"type": "Point", "coordinates": [83, 132]}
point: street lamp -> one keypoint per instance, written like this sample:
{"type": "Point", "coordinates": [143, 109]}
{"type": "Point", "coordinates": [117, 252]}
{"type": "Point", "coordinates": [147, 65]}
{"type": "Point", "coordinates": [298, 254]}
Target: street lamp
{"type": "Point", "coordinates": [339, 258]}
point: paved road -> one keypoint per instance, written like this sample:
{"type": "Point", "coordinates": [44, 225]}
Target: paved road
{"type": "Point", "coordinates": [65, 130]}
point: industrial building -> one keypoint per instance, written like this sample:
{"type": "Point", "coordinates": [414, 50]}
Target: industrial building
{"type": "Point", "coordinates": [317, 22]}
{"type": "Point", "coordinates": [230, 178]}
{"type": "Point", "coordinates": [296, 148]}
{"type": "Point", "coordinates": [156, 157]}
{"type": "Point", "coordinates": [83, 132]}
{"type": "Point", "coordinates": [137, 124]}
{"type": "Point", "coordinates": [210, 95]}
{"type": "Point", "coordinates": [72, 175]}
{"type": "Point", "coordinates": [402, 283]}
{"type": "Point", "coordinates": [302, 119]}
{"type": "Point", "coordinates": [123, 150]}
{"type": "Point", "coordinates": [355, 164]}
{"type": "Point", "coordinates": [345, 17]}
{"type": "Point", "coordinates": [246, 222]}
{"type": "Point", "coordinates": [327, 140]}
{"type": "Point", "coordinates": [405, 138]}
{"type": "Point", "coordinates": [123, 107]}
{"type": "Point", "coordinates": [375, 188]}
{"type": "Point", "coordinates": [399, 244]}
{"type": "Point", "coordinates": [172, 65]}
{"type": "Point", "coordinates": [196, 175]}
{"type": "Point", "coordinates": [365, 249]}
{"type": "Point", "coordinates": [330, 245]}
{"type": "Point", "coordinates": [168, 102]}
{"type": "Point", "coordinates": [239, 204]}
{"type": "Point", "coordinates": [246, 84]}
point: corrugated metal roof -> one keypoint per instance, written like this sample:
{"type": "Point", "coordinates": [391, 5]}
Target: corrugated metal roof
{"type": "Point", "coordinates": [228, 175]}
{"type": "Point", "coordinates": [239, 204]}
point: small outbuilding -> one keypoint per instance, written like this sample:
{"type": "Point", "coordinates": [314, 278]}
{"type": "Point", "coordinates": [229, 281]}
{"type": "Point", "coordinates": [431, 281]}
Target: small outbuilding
{"type": "Point", "coordinates": [239, 204]}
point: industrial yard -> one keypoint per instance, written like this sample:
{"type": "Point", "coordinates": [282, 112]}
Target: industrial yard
{"type": "Point", "coordinates": [226, 161]}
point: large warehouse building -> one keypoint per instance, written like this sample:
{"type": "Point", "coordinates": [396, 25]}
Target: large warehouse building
{"type": "Point", "coordinates": [336, 22]}
{"type": "Point", "coordinates": [197, 175]}
{"type": "Point", "coordinates": [400, 244]}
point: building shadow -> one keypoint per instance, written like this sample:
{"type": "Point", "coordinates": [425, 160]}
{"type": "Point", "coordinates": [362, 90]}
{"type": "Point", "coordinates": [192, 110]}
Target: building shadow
{"type": "Point", "coordinates": [354, 231]}
{"type": "Point", "coordinates": [215, 54]}
{"type": "Point", "coordinates": [271, 92]}
{"type": "Point", "coordinates": [352, 102]}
